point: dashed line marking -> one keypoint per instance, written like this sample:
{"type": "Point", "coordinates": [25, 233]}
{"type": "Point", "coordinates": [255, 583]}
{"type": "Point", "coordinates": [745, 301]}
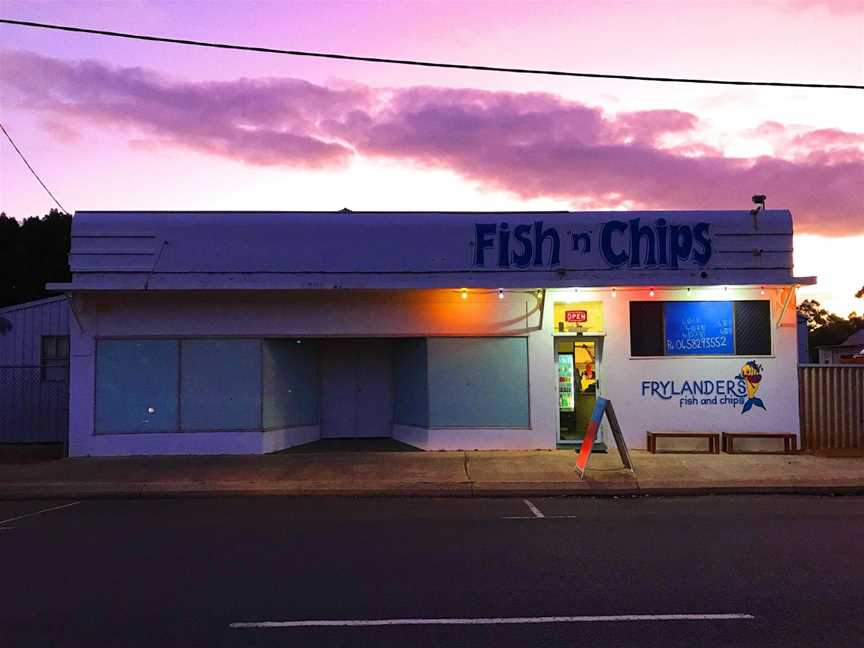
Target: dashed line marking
{"type": "Point", "coordinates": [492, 620]}
{"type": "Point", "coordinates": [536, 511]}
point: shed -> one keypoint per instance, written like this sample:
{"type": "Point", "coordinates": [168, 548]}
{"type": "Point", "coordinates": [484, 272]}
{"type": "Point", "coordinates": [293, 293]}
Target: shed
{"type": "Point", "coordinates": [34, 371]}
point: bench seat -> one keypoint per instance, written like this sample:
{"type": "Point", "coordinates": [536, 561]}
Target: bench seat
{"type": "Point", "coordinates": [789, 443]}
{"type": "Point", "coordinates": [712, 437]}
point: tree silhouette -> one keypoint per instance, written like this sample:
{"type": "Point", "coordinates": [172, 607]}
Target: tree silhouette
{"type": "Point", "coordinates": [33, 253]}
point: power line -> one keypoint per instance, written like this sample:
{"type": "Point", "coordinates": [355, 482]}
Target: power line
{"type": "Point", "coordinates": [417, 63]}
{"type": "Point", "coordinates": [32, 170]}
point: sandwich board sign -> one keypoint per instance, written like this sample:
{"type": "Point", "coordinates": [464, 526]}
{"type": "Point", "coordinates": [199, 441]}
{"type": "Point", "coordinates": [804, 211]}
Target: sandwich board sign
{"type": "Point", "coordinates": [602, 406]}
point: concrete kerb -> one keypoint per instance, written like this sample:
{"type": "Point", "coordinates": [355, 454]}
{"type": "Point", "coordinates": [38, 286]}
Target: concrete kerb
{"type": "Point", "coordinates": [461, 490]}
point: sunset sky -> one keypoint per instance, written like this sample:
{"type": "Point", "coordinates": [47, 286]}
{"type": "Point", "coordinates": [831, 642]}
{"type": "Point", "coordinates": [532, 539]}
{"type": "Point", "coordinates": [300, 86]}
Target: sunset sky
{"type": "Point", "coordinates": [118, 124]}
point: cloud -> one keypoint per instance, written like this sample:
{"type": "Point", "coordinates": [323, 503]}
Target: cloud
{"type": "Point", "coordinates": [529, 144]}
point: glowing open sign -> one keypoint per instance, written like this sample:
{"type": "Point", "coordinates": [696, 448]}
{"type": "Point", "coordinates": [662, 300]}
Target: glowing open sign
{"type": "Point", "coordinates": [576, 316]}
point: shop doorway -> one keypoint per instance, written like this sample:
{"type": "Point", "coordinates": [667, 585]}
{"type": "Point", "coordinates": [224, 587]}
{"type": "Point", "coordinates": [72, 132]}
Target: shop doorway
{"type": "Point", "coordinates": [356, 388]}
{"type": "Point", "coordinates": [578, 363]}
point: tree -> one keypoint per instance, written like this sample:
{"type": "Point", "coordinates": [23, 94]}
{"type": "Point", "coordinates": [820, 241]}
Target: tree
{"type": "Point", "coordinates": [33, 253]}
{"type": "Point", "coordinates": [825, 328]}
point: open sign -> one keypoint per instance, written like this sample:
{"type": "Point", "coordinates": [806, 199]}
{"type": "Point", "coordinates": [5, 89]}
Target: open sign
{"type": "Point", "coordinates": [576, 316]}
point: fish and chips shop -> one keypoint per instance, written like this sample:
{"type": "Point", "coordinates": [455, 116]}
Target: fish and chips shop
{"type": "Point", "coordinates": [252, 332]}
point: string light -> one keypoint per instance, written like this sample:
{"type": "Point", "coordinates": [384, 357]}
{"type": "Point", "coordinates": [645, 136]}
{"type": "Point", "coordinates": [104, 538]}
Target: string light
{"type": "Point", "coordinates": [464, 293]}
{"type": "Point", "coordinates": [651, 293]}
{"type": "Point", "coordinates": [614, 292]}
{"type": "Point", "coordinates": [761, 290]}
{"type": "Point", "coordinates": [500, 293]}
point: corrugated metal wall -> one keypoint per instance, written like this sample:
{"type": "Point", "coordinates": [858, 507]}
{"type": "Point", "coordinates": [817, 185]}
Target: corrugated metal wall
{"type": "Point", "coordinates": [831, 399]}
{"type": "Point", "coordinates": [31, 409]}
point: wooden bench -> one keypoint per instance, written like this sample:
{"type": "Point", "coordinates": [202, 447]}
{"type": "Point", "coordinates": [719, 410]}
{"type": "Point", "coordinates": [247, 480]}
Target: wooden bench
{"type": "Point", "coordinates": [789, 443]}
{"type": "Point", "coordinates": [713, 441]}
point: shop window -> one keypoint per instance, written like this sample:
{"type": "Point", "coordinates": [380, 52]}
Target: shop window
{"type": "Point", "coordinates": [55, 358]}
{"type": "Point", "coordinates": [220, 385]}
{"type": "Point", "coordinates": [700, 328]}
{"type": "Point", "coordinates": [136, 385]}
{"type": "Point", "coordinates": [291, 384]}
{"type": "Point", "coordinates": [478, 382]}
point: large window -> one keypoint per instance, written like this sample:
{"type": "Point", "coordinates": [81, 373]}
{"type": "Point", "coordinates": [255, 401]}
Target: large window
{"type": "Point", "coordinates": [220, 384]}
{"type": "Point", "coordinates": [173, 385]}
{"type": "Point", "coordinates": [478, 382]}
{"type": "Point", "coordinates": [700, 328]}
{"type": "Point", "coordinates": [136, 385]}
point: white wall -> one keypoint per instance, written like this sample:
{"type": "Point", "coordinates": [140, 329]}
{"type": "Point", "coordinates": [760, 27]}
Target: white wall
{"type": "Point", "coordinates": [298, 314]}
{"type": "Point", "coordinates": [621, 376]}
{"type": "Point", "coordinates": [429, 313]}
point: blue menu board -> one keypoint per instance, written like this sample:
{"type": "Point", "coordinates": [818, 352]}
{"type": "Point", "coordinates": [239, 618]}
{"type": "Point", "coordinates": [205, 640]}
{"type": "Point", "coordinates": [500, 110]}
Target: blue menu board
{"type": "Point", "coordinates": [699, 328]}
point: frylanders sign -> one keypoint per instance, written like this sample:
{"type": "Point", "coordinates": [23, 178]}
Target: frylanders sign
{"type": "Point", "coordinates": [632, 243]}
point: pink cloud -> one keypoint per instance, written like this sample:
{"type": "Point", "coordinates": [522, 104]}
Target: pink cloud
{"type": "Point", "coordinates": [532, 145]}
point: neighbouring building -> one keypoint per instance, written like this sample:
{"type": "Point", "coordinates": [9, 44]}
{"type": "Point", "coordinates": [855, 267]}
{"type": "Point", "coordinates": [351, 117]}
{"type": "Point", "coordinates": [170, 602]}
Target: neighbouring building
{"type": "Point", "coordinates": [220, 332]}
{"type": "Point", "coordinates": [850, 351]}
{"type": "Point", "coordinates": [34, 372]}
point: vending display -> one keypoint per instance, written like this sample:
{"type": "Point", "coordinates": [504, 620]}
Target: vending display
{"type": "Point", "coordinates": [565, 382]}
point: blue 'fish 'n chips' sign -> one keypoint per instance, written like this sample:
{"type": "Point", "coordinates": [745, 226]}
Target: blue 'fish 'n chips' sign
{"type": "Point", "coordinates": [699, 328]}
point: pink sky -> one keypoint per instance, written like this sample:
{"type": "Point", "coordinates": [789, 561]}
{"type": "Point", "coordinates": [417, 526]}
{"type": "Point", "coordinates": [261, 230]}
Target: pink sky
{"type": "Point", "coordinates": [114, 124]}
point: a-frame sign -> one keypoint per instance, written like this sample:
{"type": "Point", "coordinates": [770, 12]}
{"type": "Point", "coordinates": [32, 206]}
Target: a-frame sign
{"type": "Point", "coordinates": [601, 406]}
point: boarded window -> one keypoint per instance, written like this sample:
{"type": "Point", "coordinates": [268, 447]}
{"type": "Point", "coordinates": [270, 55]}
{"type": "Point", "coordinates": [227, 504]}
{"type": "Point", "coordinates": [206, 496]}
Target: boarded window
{"type": "Point", "coordinates": [646, 328]}
{"type": "Point", "coordinates": [478, 382]}
{"type": "Point", "coordinates": [136, 385]}
{"type": "Point", "coordinates": [291, 384]}
{"type": "Point", "coordinates": [220, 383]}
{"type": "Point", "coordinates": [753, 327]}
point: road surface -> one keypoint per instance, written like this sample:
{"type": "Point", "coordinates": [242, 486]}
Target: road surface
{"type": "Point", "coordinates": [706, 571]}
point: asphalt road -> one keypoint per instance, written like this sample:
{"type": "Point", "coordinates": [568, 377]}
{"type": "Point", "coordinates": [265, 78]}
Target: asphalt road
{"type": "Point", "coordinates": [788, 571]}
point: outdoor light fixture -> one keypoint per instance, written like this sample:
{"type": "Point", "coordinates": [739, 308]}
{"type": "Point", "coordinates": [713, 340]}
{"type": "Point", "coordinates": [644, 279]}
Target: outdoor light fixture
{"type": "Point", "coordinates": [761, 290]}
{"type": "Point", "coordinates": [500, 293]}
{"type": "Point", "coordinates": [614, 292]}
{"type": "Point", "coordinates": [651, 293]}
{"type": "Point", "coordinates": [464, 294]}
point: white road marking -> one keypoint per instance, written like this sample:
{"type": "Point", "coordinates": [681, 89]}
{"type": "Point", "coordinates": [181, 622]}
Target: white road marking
{"type": "Point", "coordinates": [47, 510]}
{"type": "Point", "coordinates": [491, 620]}
{"type": "Point", "coordinates": [537, 512]}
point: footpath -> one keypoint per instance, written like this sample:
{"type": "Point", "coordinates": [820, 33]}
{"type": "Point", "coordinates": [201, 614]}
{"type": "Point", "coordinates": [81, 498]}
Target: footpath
{"type": "Point", "coordinates": [429, 474]}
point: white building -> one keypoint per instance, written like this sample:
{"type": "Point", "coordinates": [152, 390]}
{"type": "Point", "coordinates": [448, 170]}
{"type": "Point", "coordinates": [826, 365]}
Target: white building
{"type": "Point", "coordinates": [203, 332]}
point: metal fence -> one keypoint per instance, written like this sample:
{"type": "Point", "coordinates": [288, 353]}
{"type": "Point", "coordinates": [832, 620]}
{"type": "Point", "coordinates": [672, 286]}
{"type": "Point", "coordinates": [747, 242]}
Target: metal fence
{"type": "Point", "coordinates": [831, 399]}
{"type": "Point", "coordinates": [34, 405]}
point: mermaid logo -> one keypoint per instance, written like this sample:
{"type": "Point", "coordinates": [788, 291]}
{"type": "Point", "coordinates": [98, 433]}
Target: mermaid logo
{"type": "Point", "coordinates": [751, 374]}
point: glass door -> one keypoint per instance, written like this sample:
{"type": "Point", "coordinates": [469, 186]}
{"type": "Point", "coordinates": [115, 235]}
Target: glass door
{"type": "Point", "coordinates": [577, 360]}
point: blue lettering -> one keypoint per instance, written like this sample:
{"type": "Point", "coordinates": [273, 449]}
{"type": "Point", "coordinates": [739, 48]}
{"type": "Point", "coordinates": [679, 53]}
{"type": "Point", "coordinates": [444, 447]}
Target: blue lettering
{"type": "Point", "coordinates": [612, 257]}
{"type": "Point", "coordinates": [682, 244]}
{"type": "Point", "coordinates": [700, 237]}
{"type": "Point", "coordinates": [582, 242]}
{"type": "Point", "coordinates": [484, 234]}
{"type": "Point", "coordinates": [503, 246]}
{"type": "Point", "coordinates": [540, 237]}
{"type": "Point", "coordinates": [522, 235]}
{"type": "Point", "coordinates": [638, 233]}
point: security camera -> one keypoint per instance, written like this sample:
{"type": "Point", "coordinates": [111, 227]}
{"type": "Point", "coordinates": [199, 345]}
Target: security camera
{"type": "Point", "coordinates": [759, 200]}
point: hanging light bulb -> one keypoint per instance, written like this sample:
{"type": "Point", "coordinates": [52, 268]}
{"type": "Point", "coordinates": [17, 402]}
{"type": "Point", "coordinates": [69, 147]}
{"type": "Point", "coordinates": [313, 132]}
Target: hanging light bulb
{"type": "Point", "coordinates": [500, 293]}
{"type": "Point", "coordinates": [761, 290]}
{"type": "Point", "coordinates": [651, 293]}
{"type": "Point", "coordinates": [614, 292]}
{"type": "Point", "coordinates": [464, 293]}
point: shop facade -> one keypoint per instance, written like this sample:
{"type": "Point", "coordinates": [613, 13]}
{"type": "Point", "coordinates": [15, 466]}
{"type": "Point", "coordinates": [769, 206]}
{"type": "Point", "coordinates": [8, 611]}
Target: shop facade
{"type": "Point", "coordinates": [213, 333]}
